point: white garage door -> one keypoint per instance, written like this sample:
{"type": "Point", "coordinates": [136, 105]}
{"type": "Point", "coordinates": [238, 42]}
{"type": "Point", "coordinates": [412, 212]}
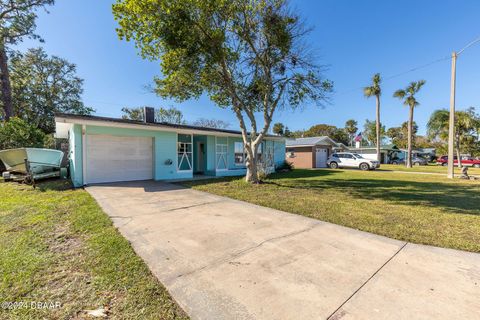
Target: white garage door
{"type": "Point", "coordinates": [115, 158]}
{"type": "Point", "coordinates": [321, 158]}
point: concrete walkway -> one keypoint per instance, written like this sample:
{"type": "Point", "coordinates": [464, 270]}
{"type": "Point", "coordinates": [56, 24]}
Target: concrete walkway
{"type": "Point", "coordinates": [226, 259]}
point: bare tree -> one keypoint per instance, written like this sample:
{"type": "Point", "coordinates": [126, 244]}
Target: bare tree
{"type": "Point", "coordinates": [211, 123]}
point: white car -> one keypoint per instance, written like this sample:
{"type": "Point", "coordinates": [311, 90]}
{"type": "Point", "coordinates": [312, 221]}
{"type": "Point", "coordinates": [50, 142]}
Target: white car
{"type": "Point", "coordinates": [351, 160]}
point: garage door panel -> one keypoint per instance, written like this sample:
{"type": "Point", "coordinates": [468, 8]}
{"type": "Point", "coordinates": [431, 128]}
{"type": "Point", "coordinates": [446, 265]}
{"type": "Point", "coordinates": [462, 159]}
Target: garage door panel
{"type": "Point", "coordinates": [116, 158]}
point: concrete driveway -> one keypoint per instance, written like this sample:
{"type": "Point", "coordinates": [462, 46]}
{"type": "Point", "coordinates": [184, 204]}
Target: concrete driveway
{"type": "Point", "coordinates": [226, 259]}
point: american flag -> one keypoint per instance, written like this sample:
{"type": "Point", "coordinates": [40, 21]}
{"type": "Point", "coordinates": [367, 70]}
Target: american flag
{"type": "Point", "coordinates": [358, 138]}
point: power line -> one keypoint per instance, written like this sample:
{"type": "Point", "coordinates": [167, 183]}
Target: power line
{"type": "Point", "coordinates": [400, 74]}
{"type": "Point", "coordinates": [417, 68]}
{"type": "Point", "coordinates": [469, 45]}
{"type": "Point", "coordinates": [360, 88]}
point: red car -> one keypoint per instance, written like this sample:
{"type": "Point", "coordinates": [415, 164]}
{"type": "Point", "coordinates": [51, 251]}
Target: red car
{"type": "Point", "coordinates": [466, 161]}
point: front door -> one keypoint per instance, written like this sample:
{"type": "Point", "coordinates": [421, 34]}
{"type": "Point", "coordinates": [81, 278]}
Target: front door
{"type": "Point", "coordinates": [321, 156]}
{"type": "Point", "coordinates": [201, 157]}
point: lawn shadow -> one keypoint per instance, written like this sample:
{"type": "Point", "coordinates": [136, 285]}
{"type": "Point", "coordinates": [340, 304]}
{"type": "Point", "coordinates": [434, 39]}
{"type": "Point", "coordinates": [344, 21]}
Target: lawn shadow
{"type": "Point", "coordinates": [304, 173]}
{"type": "Point", "coordinates": [452, 197]}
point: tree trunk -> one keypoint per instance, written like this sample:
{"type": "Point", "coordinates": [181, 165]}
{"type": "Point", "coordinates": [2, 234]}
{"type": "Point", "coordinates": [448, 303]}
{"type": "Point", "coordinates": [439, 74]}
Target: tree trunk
{"type": "Point", "coordinates": [409, 147]}
{"type": "Point", "coordinates": [5, 83]}
{"type": "Point", "coordinates": [252, 173]}
{"type": "Point", "coordinates": [251, 164]}
{"type": "Point", "coordinates": [378, 125]}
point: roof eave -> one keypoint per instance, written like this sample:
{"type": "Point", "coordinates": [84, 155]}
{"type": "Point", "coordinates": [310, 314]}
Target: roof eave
{"type": "Point", "coordinates": [152, 127]}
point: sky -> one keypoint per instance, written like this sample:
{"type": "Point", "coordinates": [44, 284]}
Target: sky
{"type": "Point", "coordinates": [353, 39]}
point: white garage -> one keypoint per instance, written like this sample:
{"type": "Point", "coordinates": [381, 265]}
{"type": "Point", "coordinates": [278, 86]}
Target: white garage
{"type": "Point", "coordinates": [118, 158]}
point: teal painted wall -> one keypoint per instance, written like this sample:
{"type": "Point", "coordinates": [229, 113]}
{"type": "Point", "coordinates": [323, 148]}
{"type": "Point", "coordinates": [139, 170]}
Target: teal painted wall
{"type": "Point", "coordinates": [165, 149]}
{"type": "Point", "coordinates": [75, 157]}
{"type": "Point", "coordinates": [278, 152]}
{"type": "Point", "coordinates": [232, 173]}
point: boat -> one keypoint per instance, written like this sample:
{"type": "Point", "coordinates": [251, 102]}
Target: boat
{"type": "Point", "coordinates": [37, 163]}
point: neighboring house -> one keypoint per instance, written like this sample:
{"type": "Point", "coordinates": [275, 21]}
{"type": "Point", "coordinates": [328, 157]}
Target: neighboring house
{"type": "Point", "coordinates": [108, 149]}
{"type": "Point", "coordinates": [387, 152]}
{"type": "Point", "coordinates": [311, 152]}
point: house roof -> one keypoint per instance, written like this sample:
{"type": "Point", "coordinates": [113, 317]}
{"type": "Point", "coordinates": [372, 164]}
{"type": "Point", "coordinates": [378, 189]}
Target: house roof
{"type": "Point", "coordinates": [96, 120]}
{"type": "Point", "coordinates": [311, 141]}
{"type": "Point", "coordinates": [342, 145]}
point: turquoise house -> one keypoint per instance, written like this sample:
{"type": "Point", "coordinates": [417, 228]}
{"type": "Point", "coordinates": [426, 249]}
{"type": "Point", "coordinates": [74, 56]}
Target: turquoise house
{"type": "Point", "coordinates": [108, 149]}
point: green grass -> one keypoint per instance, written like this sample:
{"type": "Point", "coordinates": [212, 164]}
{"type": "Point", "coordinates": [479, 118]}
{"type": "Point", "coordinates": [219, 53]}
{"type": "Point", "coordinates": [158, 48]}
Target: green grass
{"type": "Point", "coordinates": [431, 168]}
{"type": "Point", "coordinates": [58, 245]}
{"type": "Point", "coordinates": [427, 209]}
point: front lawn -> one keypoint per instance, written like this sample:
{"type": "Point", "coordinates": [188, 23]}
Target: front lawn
{"type": "Point", "coordinates": [57, 245]}
{"type": "Point", "coordinates": [427, 209]}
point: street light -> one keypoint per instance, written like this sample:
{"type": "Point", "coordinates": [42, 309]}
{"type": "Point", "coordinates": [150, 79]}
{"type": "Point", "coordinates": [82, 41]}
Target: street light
{"type": "Point", "coordinates": [451, 124]}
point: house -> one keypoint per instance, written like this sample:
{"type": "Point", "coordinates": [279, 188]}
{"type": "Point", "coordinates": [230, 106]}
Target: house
{"type": "Point", "coordinates": [387, 152]}
{"type": "Point", "coordinates": [311, 152]}
{"type": "Point", "coordinates": [108, 149]}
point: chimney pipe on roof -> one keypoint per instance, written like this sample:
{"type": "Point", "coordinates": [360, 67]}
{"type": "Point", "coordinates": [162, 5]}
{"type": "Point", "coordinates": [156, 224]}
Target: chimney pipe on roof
{"type": "Point", "coordinates": [149, 115]}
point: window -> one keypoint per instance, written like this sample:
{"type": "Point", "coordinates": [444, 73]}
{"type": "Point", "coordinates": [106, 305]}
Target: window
{"type": "Point", "coordinates": [184, 152]}
{"type": "Point", "coordinates": [239, 154]}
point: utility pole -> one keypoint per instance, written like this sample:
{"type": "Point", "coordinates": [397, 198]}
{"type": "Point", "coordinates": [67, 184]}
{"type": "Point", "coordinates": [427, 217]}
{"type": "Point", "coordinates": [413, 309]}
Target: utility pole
{"type": "Point", "coordinates": [451, 124]}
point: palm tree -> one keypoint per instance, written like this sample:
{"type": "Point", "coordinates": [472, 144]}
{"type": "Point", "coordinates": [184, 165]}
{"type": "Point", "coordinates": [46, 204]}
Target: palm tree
{"type": "Point", "coordinates": [375, 90]}
{"type": "Point", "coordinates": [408, 97]}
{"type": "Point", "coordinates": [466, 126]}
{"type": "Point", "coordinates": [351, 129]}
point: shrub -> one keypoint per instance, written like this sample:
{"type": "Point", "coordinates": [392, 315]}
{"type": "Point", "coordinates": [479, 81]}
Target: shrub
{"type": "Point", "coordinates": [17, 133]}
{"type": "Point", "coordinates": [284, 167]}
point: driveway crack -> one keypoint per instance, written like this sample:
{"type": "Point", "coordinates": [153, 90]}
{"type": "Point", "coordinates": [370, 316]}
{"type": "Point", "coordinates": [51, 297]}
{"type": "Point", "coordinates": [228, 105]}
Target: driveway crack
{"type": "Point", "coordinates": [332, 315]}
{"type": "Point", "coordinates": [247, 250]}
{"type": "Point", "coordinates": [193, 205]}
{"type": "Point", "coordinates": [161, 211]}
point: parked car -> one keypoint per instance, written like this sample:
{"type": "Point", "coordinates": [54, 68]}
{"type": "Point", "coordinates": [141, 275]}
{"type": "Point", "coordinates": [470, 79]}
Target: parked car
{"type": "Point", "coordinates": [416, 161]}
{"type": "Point", "coordinates": [351, 160]}
{"type": "Point", "coordinates": [466, 161]}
